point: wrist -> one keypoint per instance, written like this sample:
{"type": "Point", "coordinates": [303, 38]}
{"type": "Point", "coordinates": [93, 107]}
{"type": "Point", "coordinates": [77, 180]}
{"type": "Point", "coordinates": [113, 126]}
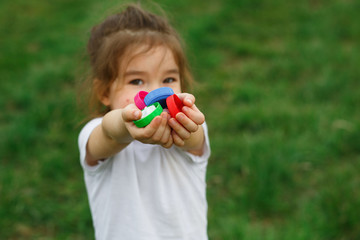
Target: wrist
{"type": "Point", "coordinates": [196, 142]}
{"type": "Point", "coordinates": [114, 127]}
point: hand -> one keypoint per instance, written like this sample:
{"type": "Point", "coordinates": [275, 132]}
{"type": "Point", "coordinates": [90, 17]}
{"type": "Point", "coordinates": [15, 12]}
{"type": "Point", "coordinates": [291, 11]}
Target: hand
{"type": "Point", "coordinates": [157, 132]}
{"type": "Point", "coordinates": [187, 121]}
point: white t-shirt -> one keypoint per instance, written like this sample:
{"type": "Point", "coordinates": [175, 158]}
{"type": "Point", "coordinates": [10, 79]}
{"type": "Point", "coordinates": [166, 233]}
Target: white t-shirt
{"type": "Point", "coordinates": [147, 192]}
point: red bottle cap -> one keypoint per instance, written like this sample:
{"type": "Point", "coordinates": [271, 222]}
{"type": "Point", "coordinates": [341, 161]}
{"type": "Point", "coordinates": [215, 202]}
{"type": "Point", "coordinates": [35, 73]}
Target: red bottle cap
{"type": "Point", "coordinates": [174, 105]}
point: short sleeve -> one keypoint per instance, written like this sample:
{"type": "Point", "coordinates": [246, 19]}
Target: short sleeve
{"type": "Point", "coordinates": [82, 142]}
{"type": "Point", "coordinates": [206, 151]}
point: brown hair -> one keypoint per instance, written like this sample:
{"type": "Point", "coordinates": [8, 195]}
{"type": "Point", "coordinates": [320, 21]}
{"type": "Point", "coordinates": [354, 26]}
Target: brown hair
{"type": "Point", "coordinates": [118, 35]}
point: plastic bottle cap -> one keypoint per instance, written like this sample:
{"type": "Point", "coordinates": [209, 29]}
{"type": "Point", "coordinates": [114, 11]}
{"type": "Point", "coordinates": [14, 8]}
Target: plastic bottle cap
{"type": "Point", "coordinates": [174, 105]}
{"type": "Point", "coordinates": [139, 99]}
{"type": "Point", "coordinates": [147, 110]}
{"type": "Point", "coordinates": [143, 122]}
{"type": "Point", "coordinates": [158, 95]}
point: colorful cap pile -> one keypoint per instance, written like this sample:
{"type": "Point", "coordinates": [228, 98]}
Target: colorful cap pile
{"type": "Point", "coordinates": [160, 98]}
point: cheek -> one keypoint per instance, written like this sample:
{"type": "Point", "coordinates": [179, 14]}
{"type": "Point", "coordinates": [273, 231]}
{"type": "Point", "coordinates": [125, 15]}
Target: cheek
{"type": "Point", "coordinates": [124, 102]}
{"type": "Point", "coordinates": [128, 100]}
{"type": "Point", "coordinates": [177, 88]}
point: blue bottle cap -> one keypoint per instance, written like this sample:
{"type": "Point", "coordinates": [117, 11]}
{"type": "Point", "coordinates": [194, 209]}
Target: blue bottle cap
{"type": "Point", "coordinates": [158, 95]}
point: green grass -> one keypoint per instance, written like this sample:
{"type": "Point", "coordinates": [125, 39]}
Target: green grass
{"type": "Point", "coordinates": [277, 80]}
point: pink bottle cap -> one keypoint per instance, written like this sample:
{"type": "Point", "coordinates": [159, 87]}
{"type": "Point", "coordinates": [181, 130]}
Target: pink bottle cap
{"type": "Point", "coordinates": [139, 99]}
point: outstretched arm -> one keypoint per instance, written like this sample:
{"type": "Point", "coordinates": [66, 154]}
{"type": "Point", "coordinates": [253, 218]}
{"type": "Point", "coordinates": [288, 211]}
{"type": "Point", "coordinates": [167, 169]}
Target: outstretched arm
{"type": "Point", "coordinates": [117, 130]}
{"type": "Point", "coordinates": [187, 131]}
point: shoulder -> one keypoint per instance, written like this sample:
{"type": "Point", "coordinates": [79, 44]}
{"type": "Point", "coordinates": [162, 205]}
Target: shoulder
{"type": "Point", "coordinates": [84, 136]}
{"type": "Point", "coordinates": [91, 125]}
{"type": "Point", "coordinates": [88, 128]}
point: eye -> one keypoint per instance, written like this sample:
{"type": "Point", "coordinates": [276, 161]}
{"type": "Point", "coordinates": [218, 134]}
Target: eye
{"type": "Point", "coordinates": [136, 82]}
{"type": "Point", "coordinates": [169, 80]}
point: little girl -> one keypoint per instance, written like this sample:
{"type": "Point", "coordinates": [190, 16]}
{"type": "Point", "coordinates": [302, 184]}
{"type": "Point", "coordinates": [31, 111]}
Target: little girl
{"type": "Point", "coordinates": [143, 183]}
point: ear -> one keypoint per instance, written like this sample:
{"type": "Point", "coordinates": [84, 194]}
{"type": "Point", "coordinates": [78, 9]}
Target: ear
{"type": "Point", "coordinates": [102, 93]}
{"type": "Point", "coordinates": [105, 100]}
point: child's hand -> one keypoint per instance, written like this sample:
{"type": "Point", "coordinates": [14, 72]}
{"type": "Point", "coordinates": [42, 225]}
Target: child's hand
{"type": "Point", "coordinates": [187, 121]}
{"type": "Point", "coordinates": [157, 132]}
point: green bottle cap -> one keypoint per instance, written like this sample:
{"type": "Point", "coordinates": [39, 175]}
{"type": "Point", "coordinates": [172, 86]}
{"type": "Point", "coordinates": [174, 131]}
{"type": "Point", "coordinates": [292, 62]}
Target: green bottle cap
{"type": "Point", "coordinates": [143, 122]}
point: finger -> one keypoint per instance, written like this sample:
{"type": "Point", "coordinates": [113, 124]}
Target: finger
{"type": "Point", "coordinates": [178, 141]}
{"type": "Point", "coordinates": [167, 133]}
{"type": "Point", "coordinates": [194, 114]}
{"type": "Point", "coordinates": [168, 144]}
{"type": "Point", "coordinates": [149, 130]}
{"type": "Point", "coordinates": [158, 135]}
{"type": "Point", "coordinates": [186, 122]}
{"type": "Point", "coordinates": [180, 130]}
{"type": "Point", "coordinates": [167, 138]}
{"type": "Point", "coordinates": [187, 99]}
{"type": "Point", "coordinates": [131, 113]}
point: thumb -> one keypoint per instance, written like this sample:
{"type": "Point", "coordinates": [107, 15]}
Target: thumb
{"type": "Point", "coordinates": [131, 113]}
{"type": "Point", "coordinates": [187, 99]}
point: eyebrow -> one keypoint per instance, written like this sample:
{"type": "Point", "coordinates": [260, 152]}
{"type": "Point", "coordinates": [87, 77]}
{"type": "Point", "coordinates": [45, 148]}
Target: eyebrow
{"type": "Point", "coordinates": [134, 72]}
{"type": "Point", "coordinates": [137, 72]}
{"type": "Point", "coordinates": [174, 71]}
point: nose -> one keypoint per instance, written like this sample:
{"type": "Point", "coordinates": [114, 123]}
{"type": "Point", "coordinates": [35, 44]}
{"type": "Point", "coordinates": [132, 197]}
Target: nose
{"type": "Point", "coordinates": [153, 86]}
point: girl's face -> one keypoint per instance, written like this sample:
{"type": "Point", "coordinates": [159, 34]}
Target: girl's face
{"type": "Point", "coordinates": [145, 72]}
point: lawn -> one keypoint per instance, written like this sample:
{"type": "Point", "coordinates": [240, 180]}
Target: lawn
{"type": "Point", "coordinates": [277, 80]}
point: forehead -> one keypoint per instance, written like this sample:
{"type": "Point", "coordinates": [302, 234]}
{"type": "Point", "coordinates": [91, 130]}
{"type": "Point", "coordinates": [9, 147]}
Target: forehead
{"type": "Point", "coordinates": [160, 55]}
{"type": "Point", "coordinates": [148, 57]}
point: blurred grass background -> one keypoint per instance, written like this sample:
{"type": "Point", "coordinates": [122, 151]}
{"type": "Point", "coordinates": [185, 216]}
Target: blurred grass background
{"type": "Point", "coordinates": [279, 84]}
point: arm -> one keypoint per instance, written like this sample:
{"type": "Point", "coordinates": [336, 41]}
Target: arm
{"type": "Point", "coordinates": [110, 137]}
{"type": "Point", "coordinates": [117, 130]}
{"type": "Point", "coordinates": [187, 131]}
{"type": "Point", "coordinates": [194, 144]}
